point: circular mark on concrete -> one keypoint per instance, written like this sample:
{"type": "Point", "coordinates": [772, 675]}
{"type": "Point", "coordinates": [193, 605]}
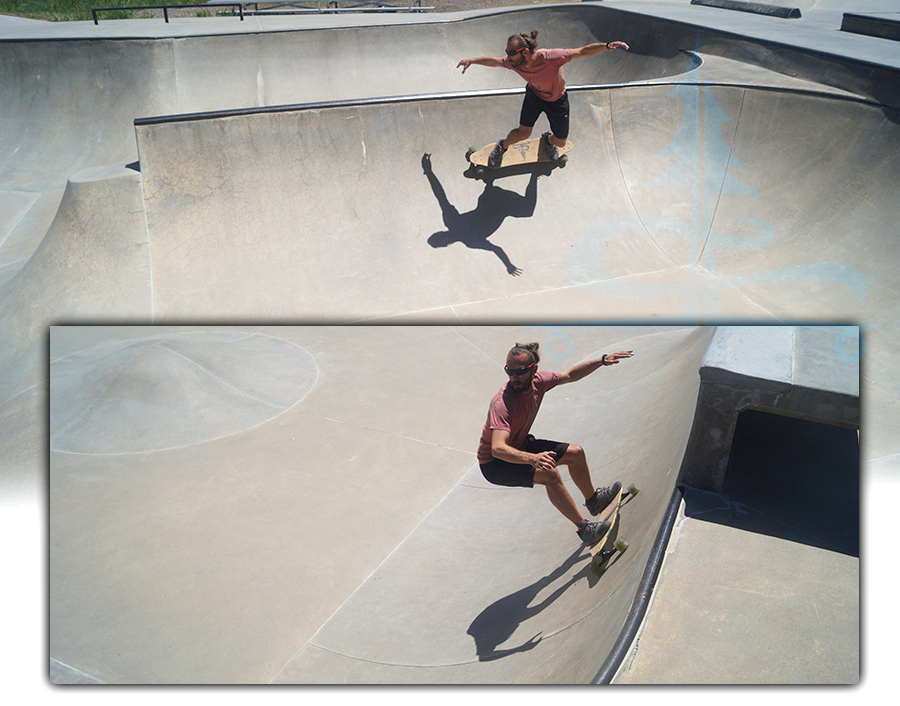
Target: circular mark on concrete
{"type": "Point", "coordinates": [173, 390]}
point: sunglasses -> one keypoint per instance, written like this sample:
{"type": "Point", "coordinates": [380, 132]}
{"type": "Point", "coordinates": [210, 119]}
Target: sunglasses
{"type": "Point", "coordinates": [518, 371]}
{"type": "Point", "coordinates": [513, 52]}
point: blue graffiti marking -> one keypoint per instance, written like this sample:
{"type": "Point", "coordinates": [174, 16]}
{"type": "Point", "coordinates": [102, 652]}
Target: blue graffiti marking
{"type": "Point", "coordinates": [703, 164]}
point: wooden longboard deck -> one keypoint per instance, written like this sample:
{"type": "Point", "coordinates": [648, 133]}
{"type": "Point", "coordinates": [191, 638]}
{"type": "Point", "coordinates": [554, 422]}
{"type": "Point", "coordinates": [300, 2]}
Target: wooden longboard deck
{"type": "Point", "coordinates": [610, 513]}
{"type": "Point", "coordinates": [604, 549]}
{"type": "Point", "coordinates": [527, 152]}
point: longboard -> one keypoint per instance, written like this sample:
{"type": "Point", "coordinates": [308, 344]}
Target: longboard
{"type": "Point", "coordinates": [610, 544]}
{"type": "Point", "coordinates": [526, 152]}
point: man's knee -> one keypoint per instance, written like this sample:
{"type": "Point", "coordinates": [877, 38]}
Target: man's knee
{"type": "Point", "coordinates": [574, 454]}
{"type": "Point", "coordinates": [551, 477]}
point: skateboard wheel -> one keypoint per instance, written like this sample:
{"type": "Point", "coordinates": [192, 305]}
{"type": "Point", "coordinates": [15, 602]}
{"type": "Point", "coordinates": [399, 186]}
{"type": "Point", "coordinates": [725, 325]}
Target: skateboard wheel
{"type": "Point", "coordinates": [633, 489]}
{"type": "Point", "coordinates": [621, 544]}
{"type": "Point", "coordinates": [564, 159]}
{"type": "Point", "coordinates": [470, 152]}
{"type": "Point", "coordinates": [479, 170]}
{"type": "Point", "coordinates": [596, 569]}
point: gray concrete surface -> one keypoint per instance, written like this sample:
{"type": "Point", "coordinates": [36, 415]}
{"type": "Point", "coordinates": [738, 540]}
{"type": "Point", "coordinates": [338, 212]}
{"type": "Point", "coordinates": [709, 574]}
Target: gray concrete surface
{"type": "Point", "coordinates": [789, 217]}
{"type": "Point", "coordinates": [303, 504]}
{"type": "Point", "coordinates": [674, 210]}
{"type": "Point", "coordinates": [760, 583]}
{"type": "Point", "coordinates": [787, 634]}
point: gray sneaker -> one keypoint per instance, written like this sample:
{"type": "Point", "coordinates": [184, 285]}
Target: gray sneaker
{"type": "Point", "coordinates": [496, 155]}
{"type": "Point", "coordinates": [592, 532]}
{"type": "Point", "coordinates": [602, 497]}
{"type": "Point", "coordinates": [552, 150]}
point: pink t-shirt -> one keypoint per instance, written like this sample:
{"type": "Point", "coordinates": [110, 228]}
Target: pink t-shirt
{"type": "Point", "coordinates": [515, 413]}
{"type": "Point", "coordinates": [545, 75]}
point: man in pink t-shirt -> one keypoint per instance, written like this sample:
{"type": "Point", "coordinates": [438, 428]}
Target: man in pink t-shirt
{"type": "Point", "coordinates": [509, 455]}
{"type": "Point", "coordinates": [546, 88]}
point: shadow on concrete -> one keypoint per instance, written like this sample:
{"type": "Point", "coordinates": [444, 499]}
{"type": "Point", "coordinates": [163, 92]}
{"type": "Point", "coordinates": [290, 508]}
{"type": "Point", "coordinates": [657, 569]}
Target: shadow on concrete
{"type": "Point", "coordinates": [790, 478]}
{"type": "Point", "coordinates": [500, 620]}
{"type": "Point", "coordinates": [532, 168]}
{"type": "Point", "coordinates": [495, 205]}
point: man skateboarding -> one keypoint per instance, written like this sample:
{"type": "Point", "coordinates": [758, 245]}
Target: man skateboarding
{"type": "Point", "coordinates": [510, 456]}
{"type": "Point", "coordinates": [546, 88]}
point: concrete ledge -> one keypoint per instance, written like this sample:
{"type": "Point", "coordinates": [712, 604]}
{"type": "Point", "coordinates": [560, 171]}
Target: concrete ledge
{"type": "Point", "coordinates": [801, 372]}
{"type": "Point", "coordinates": [755, 7]}
{"type": "Point", "coordinates": [871, 26]}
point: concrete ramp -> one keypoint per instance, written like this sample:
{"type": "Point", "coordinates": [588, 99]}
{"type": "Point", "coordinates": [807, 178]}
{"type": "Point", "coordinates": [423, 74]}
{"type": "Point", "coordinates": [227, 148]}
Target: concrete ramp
{"type": "Point", "coordinates": [681, 194]}
{"type": "Point", "coordinates": [68, 102]}
{"type": "Point", "coordinates": [700, 189]}
{"type": "Point", "coordinates": [347, 536]}
{"type": "Point", "coordinates": [726, 170]}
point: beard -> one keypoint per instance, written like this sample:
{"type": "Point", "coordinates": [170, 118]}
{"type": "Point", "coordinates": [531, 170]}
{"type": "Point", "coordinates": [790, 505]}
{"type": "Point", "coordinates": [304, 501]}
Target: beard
{"type": "Point", "coordinates": [521, 385]}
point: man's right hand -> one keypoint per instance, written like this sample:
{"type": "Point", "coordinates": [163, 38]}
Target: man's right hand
{"type": "Point", "coordinates": [481, 61]}
{"type": "Point", "coordinates": [545, 461]}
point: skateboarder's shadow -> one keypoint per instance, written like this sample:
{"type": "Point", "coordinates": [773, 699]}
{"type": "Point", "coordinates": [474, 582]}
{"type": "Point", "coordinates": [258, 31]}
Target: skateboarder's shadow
{"type": "Point", "coordinates": [473, 229]}
{"type": "Point", "coordinates": [500, 620]}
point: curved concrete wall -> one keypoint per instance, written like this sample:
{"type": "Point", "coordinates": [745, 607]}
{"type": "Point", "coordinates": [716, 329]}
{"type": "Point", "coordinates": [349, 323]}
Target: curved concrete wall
{"type": "Point", "coordinates": [305, 504]}
{"type": "Point", "coordinates": [684, 201]}
{"type": "Point", "coordinates": [70, 104]}
{"type": "Point", "coordinates": [302, 187]}
{"type": "Point", "coordinates": [722, 194]}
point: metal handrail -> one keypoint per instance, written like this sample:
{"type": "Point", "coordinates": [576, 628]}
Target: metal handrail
{"type": "Point", "coordinates": [165, 9]}
{"type": "Point", "coordinates": [329, 5]}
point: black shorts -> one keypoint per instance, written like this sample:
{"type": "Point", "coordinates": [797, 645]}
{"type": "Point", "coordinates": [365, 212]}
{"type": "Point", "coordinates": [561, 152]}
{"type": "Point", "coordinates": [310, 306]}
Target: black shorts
{"type": "Point", "coordinates": [520, 475]}
{"type": "Point", "coordinates": [557, 112]}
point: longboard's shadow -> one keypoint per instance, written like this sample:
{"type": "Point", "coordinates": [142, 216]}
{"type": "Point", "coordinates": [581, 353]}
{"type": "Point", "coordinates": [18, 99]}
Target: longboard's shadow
{"type": "Point", "coordinates": [489, 175]}
{"type": "Point", "coordinates": [613, 536]}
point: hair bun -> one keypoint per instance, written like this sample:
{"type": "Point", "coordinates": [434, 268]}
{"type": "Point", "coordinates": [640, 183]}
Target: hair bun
{"type": "Point", "coordinates": [531, 348]}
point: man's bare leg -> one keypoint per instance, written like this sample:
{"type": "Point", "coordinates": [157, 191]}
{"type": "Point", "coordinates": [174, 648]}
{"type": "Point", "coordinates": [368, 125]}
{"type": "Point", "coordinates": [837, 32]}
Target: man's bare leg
{"type": "Point", "coordinates": [576, 460]}
{"type": "Point", "coordinates": [558, 495]}
{"type": "Point", "coordinates": [523, 132]}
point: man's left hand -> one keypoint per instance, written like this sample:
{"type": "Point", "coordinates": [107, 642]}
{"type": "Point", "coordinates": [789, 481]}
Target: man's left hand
{"type": "Point", "coordinates": [613, 358]}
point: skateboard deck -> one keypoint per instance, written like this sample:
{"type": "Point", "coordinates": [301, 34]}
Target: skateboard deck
{"type": "Point", "coordinates": [610, 544]}
{"type": "Point", "coordinates": [526, 152]}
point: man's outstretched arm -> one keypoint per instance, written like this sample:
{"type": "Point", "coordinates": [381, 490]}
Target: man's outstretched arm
{"type": "Point", "coordinates": [594, 49]}
{"type": "Point", "coordinates": [582, 370]}
{"type": "Point", "coordinates": [481, 61]}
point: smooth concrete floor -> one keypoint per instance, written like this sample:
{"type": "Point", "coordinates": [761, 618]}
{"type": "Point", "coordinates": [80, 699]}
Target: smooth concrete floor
{"type": "Point", "coordinates": [736, 605]}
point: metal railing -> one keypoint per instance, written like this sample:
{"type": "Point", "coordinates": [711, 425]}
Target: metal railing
{"type": "Point", "coordinates": [287, 7]}
{"type": "Point", "coordinates": [165, 8]}
{"type": "Point", "coordinates": [272, 8]}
